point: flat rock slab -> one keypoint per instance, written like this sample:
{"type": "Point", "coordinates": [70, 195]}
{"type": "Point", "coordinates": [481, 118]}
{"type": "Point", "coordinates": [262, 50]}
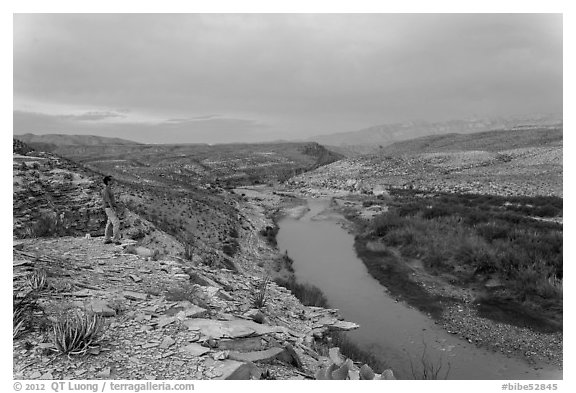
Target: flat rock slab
{"type": "Point", "coordinates": [135, 295]}
{"type": "Point", "coordinates": [235, 370]}
{"type": "Point", "coordinates": [164, 321]}
{"type": "Point", "coordinates": [344, 325]}
{"type": "Point", "coordinates": [257, 356]}
{"type": "Point", "coordinates": [135, 278]}
{"type": "Point", "coordinates": [189, 310]}
{"type": "Point", "coordinates": [195, 311]}
{"type": "Point", "coordinates": [194, 349]}
{"type": "Point", "coordinates": [228, 329]}
{"type": "Point", "coordinates": [98, 306]}
{"type": "Point", "coordinates": [167, 342]}
{"type": "Point", "coordinates": [241, 344]}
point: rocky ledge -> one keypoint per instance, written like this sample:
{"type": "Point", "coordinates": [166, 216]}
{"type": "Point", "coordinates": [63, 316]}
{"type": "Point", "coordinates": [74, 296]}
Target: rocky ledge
{"type": "Point", "coordinates": [162, 319]}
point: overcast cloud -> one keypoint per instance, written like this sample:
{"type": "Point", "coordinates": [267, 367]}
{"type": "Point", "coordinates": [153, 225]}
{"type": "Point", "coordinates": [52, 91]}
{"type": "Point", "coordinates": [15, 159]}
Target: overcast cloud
{"type": "Point", "coordinates": [224, 78]}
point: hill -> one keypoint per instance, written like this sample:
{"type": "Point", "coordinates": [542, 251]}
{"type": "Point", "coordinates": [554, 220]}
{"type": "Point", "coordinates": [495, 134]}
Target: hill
{"type": "Point", "coordinates": [228, 164]}
{"type": "Point", "coordinates": [49, 142]}
{"type": "Point", "coordinates": [508, 162]}
{"type": "Point", "coordinates": [492, 141]}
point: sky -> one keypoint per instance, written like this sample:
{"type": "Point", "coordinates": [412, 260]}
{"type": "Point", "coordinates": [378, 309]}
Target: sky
{"type": "Point", "coordinates": [217, 78]}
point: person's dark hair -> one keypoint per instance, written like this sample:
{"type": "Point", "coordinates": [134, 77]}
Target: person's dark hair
{"type": "Point", "coordinates": [107, 179]}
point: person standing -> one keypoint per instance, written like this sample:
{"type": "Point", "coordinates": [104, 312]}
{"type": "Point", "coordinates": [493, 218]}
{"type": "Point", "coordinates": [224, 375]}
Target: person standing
{"type": "Point", "coordinates": [112, 231]}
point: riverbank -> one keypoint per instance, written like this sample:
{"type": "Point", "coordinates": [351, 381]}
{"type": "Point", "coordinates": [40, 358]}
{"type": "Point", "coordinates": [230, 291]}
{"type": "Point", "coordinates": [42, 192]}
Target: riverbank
{"type": "Point", "coordinates": [459, 307]}
{"type": "Point", "coordinates": [453, 306]}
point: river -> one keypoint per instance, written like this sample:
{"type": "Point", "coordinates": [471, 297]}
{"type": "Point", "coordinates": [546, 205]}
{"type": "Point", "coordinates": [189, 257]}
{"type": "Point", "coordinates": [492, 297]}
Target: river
{"type": "Point", "coordinates": [324, 256]}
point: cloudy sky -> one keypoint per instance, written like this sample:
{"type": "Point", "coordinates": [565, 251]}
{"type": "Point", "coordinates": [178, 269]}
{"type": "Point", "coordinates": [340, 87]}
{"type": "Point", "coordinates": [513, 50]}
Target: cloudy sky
{"type": "Point", "coordinates": [169, 78]}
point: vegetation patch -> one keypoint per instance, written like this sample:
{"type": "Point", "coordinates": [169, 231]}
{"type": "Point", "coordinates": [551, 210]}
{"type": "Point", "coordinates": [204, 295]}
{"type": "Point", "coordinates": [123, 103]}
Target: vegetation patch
{"type": "Point", "coordinates": [395, 276]}
{"type": "Point", "coordinates": [308, 295]}
{"type": "Point", "coordinates": [475, 238]}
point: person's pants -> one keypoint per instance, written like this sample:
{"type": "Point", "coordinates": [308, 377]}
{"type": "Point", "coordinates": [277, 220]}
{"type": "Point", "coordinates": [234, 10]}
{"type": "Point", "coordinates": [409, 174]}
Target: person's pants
{"type": "Point", "coordinates": [112, 225]}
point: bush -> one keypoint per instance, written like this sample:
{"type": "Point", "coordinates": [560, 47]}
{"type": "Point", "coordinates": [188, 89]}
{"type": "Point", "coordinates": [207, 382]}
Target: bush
{"type": "Point", "coordinates": [436, 211]}
{"type": "Point", "coordinates": [270, 234]}
{"type": "Point", "coordinates": [386, 222]}
{"type": "Point", "coordinates": [187, 292]}
{"type": "Point", "coordinates": [473, 253]}
{"type": "Point", "coordinates": [400, 237]}
{"type": "Point", "coordinates": [47, 225]}
{"type": "Point", "coordinates": [492, 230]}
{"type": "Point", "coordinates": [308, 295]}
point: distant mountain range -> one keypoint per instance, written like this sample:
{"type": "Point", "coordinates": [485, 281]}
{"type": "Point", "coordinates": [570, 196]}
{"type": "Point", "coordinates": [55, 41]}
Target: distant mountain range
{"type": "Point", "coordinates": [71, 140]}
{"type": "Point", "coordinates": [374, 138]}
{"type": "Point", "coordinates": [489, 141]}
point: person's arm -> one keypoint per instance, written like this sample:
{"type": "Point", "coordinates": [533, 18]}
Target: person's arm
{"type": "Point", "coordinates": [112, 201]}
{"type": "Point", "coordinates": [109, 199]}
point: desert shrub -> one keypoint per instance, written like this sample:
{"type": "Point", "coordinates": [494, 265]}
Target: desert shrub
{"type": "Point", "coordinates": [475, 217]}
{"type": "Point", "coordinates": [187, 292]}
{"type": "Point", "coordinates": [547, 211]}
{"type": "Point", "coordinates": [231, 248]}
{"type": "Point", "coordinates": [47, 225]}
{"type": "Point", "coordinates": [261, 296]}
{"type": "Point", "coordinates": [308, 295]}
{"type": "Point", "coordinates": [492, 230]}
{"type": "Point", "coordinates": [188, 251]}
{"type": "Point", "coordinates": [270, 233]}
{"type": "Point", "coordinates": [385, 222]}
{"type": "Point", "coordinates": [22, 313]}
{"type": "Point", "coordinates": [76, 332]}
{"type": "Point", "coordinates": [410, 209]}
{"type": "Point", "coordinates": [429, 369]}
{"type": "Point", "coordinates": [474, 253]}
{"type": "Point", "coordinates": [400, 237]}
{"type": "Point", "coordinates": [436, 211]}
{"type": "Point", "coordinates": [434, 260]}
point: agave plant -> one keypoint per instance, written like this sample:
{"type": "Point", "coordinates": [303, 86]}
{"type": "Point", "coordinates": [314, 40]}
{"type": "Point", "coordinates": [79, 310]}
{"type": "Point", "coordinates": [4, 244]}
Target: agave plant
{"type": "Point", "coordinates": [76, 332]}
{"type": "Point", "coordinates": [37, 280]}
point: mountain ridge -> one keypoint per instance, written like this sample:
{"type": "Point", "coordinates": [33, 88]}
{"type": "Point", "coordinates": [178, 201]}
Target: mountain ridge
{"type": "Point", "coordinates": [71, 140]}
{"type": "Point", "coordinates": [371, 139]}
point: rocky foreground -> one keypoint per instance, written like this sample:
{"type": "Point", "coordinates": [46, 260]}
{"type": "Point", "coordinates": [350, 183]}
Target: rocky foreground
{"type": "Point", "coordinates": [163, 319]}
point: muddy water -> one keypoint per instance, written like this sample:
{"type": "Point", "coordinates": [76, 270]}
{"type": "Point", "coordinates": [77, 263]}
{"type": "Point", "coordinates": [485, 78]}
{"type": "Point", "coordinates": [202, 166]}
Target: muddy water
{"type": "Point", "coordinates": [324, 256]}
